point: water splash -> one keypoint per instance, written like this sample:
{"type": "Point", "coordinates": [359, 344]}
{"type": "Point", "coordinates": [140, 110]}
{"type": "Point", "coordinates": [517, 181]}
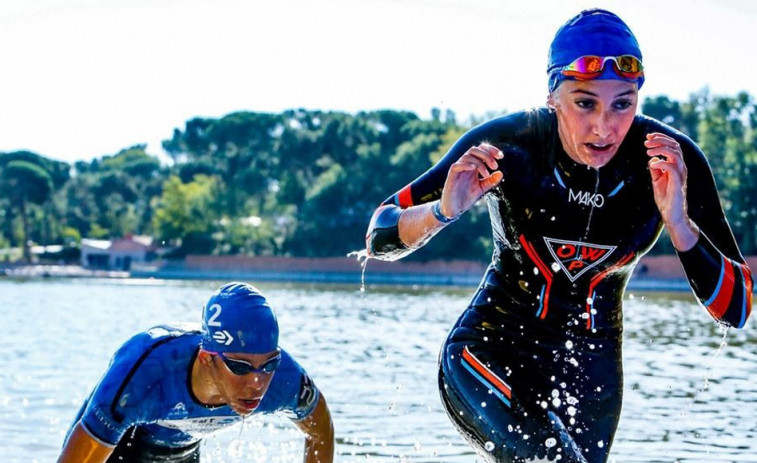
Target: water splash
{"type": "Point", "coordinates": [709, 371]}
{"type": "Point", "coordinates": [362, 257]}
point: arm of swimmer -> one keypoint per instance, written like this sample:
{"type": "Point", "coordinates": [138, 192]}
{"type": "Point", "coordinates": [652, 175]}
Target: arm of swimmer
{"type": "Point", "coordinates": [81, 447]}
{"type": "Point", "coordinates": [417, 225]}
{"type": "Point", "coordinates": [468, 179]}
{"type": "Point", "coordinates": [698, 229]}
{"type": "Point", "coordinates": [395, 231]}
{"type": "Point", "coordinates": [319, 434]}
{"type": "Point", "coordinates": [683, 234]}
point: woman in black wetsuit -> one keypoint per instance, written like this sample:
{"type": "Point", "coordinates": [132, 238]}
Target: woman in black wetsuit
{"type": "Point", "coordinates": [577, 193]}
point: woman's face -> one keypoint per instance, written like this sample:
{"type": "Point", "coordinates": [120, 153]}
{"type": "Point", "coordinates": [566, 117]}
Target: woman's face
{"type": "Point", "coordinates": [593, 117]}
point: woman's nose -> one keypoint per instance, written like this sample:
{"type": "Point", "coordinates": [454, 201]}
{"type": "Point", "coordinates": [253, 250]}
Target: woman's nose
{"type": "Point", "coordinates": [602, 126]}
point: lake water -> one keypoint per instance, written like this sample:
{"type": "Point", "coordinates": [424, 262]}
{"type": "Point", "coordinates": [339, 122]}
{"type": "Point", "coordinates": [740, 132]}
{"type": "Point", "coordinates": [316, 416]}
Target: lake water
{"type": "Point", "coordinates": [374, 355]}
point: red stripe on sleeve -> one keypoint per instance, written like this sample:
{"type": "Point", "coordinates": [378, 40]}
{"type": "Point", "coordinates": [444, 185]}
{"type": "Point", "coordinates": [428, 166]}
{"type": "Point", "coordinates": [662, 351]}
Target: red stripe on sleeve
{"type": "Point", "coordinates": [719, 306]}
{"type": "Point", "coordinates": [404, 197]}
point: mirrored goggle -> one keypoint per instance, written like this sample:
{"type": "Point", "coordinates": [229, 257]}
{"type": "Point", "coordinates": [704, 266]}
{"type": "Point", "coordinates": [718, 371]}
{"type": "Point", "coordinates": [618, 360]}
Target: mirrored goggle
{"type": "Point", "coordinates": [591, 67]}
{"type": "Point", "coordinates": [241, 367]}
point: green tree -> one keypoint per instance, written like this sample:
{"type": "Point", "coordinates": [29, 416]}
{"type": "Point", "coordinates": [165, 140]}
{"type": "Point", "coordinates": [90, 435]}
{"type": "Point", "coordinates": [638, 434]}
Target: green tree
{"type": "Point", "coordinates": [726, 133]}
{"type": "Point", "coordinates": [25, 184]}
{"type": "Point", "coordinates": [186, 213]}
{"type": "Point", "coordinates": [680, 115]}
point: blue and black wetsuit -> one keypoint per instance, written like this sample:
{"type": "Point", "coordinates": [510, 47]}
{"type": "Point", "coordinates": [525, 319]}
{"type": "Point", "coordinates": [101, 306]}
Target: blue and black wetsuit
{"type": "Point", "coordinates": [532, 368]}
{"type": "Point", "coordinates": [144, 403]}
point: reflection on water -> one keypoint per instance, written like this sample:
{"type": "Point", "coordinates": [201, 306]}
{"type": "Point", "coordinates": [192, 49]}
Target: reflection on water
{"type": "Point", "coordinates": [374, 356]}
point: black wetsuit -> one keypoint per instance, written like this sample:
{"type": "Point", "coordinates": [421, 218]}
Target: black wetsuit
{"type": "Point", "coordinates": [532, 368]}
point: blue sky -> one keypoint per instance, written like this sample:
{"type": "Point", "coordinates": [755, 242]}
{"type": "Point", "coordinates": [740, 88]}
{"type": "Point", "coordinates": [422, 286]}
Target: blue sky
{"type": "Point", "coordinates": [85, 78]}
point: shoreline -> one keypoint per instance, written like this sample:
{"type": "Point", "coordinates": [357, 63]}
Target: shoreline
{"type": "Point", "coordinates": [656, 273]}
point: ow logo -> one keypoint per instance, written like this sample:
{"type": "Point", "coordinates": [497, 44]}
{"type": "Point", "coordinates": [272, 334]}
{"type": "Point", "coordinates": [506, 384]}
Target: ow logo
{"type": "Point", "coordinates": [585, 198]}
{"type": "Point", "coordinates": [575, 258]}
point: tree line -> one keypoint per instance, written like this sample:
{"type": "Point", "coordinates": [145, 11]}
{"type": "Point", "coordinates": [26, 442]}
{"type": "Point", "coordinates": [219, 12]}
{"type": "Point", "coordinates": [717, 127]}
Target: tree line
{"type": "Point", "coordinates": [304, 183]}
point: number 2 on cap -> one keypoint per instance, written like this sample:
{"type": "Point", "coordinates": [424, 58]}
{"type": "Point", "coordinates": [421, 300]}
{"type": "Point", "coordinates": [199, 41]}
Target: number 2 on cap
{"type": "Point", "coordinates": [216, 308]}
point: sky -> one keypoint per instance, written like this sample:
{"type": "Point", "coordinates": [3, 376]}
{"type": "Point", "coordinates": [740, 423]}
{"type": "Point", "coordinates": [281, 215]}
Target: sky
{"type": "Point", "coordinates": [82, 79]}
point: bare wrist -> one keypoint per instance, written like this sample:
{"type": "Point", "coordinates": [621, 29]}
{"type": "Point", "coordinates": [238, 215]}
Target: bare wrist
{"type": "Point", "coordinates": [684, 236]}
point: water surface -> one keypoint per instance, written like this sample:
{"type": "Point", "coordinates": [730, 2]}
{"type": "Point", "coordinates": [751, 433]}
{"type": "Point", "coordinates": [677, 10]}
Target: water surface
{"type": "Point", "coordinates": [373, 354]}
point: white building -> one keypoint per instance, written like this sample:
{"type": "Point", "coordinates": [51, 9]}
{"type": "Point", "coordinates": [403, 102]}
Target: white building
{"type": "Point", "coordinates": [118, 254]}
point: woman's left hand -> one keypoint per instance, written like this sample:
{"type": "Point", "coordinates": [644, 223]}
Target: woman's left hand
{"type": "Point", "coordinates": [668, 172]}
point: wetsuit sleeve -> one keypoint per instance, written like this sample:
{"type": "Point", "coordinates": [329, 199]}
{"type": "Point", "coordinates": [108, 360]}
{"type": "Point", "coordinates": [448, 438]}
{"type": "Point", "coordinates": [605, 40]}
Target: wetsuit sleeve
{"type": "Point", "coordinates": [382, 239]}
{"type": "Point", "coordinates": [716, 270]}
{"type": "Point", "coordinates": [104, 417]}
{"type": "Point", "coordinates": [291, 391]}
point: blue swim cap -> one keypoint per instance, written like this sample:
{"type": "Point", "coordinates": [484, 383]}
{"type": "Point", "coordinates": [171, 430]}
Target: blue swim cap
{"type": "Point", "coordinates": [591, 32]}
{"type": "Point", "coordinates": [237, 318]}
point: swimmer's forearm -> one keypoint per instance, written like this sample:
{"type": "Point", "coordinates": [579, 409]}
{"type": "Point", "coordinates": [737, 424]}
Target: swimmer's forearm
{"type": "Point", "coordinates": [418, 224]}
{"type": "Point", "coordinates": [722, 284]}
{"type": "Point", "coordinates": [684, 235]}
{"type": "Point", "coordinates": [395, 232]}
{"type": "Point", "coordinates": [319, 429]}
{"type": "Point", "coordinates": [83, 448]}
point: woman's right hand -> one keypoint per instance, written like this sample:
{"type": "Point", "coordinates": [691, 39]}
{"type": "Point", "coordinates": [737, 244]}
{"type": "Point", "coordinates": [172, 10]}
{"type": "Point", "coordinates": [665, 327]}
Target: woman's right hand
{"type": "Point", "coordinates": [470, 178]}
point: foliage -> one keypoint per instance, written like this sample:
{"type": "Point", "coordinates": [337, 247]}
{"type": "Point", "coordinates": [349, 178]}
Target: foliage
{"type": "Point", "coordinates": [24, 183]}
{"type": "Point", "coordinates": [726, 130]}
{"type": "Point", "coordinates": [186, 211]}
{"type": "Point", "coordinates": [304, 183]}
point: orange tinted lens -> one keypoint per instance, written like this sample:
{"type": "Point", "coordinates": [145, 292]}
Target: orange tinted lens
{"type": "Point", "coordinates": [628, 63]}
{"type": "Point", "coordinates": [584, 65]}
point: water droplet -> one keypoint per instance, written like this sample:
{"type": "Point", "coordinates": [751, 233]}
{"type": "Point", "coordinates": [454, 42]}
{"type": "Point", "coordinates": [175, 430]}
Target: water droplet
{"type": "Point", "coordinates": [536, 271]}
{"type": "Point", "coordinates": [551, 442]}
{"type": "Point", "coordinates": [601, 444]}
{"type": "Point", "coordinates": [556, 403]}
{"type": "Point", "coordinates": [589, 300]}
{"type": "Point", "coordinates": [569, 344]}
{"type": "Point", "coordinates": [556, 393]}
{"type": "Point", "coordinates": [544, 404]}
{"type": "Point", "coordinates": [555, 267]}
{"type": "Point", "coordinates": [489, 446]}
{"type": "Point", "coordinates": [483, 404]}
{"type": "Point", "coordinates": [486, 338]}
{"type": "Point", "coordinates": [572, 411]}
